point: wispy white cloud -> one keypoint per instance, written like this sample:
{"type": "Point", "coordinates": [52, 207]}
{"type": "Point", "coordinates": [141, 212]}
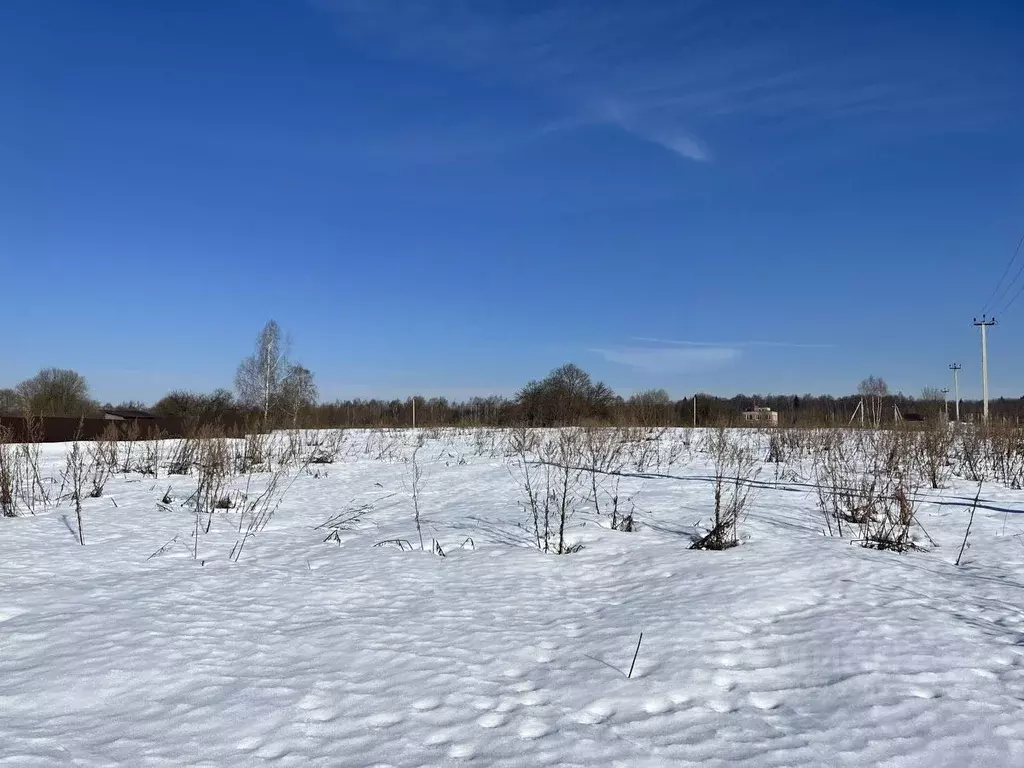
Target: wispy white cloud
{"type": "Point", "coordinates": [678, 342]}
{"type": "Point", "coordinates": [665, 133]}
{"type": "Point", "coordinates": [669, 359]}
{"type": "Point", "coordinates": [564, 54]}
{"type": "Point", "coordinates": [677, 73]}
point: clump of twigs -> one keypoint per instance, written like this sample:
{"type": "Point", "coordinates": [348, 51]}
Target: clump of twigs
{"type": "Point", "coordinates": [252, 453]}
{"type": "Point", "coordinates": [551, 481]}
{"type": "Point", "coordinates": [183, 456]}
{"type": "Point", "coordinates": [75, 478]}
{"type": "Point", "coordinates": [870, 480]}
{"type": "Point", "coordinates": [102, 456]}
{"type": "Point", "coordinates": [933, 446]}
{"type": "Point", "coordinates": [9, 476]}
{"type": "Point", "coordinates": [148, 463]}
{"type": "Point", "coordinates": [603, 453]}
{"type": "Point", "coordinates": [213, 462]}
{"type": "Point", "coordinates": [735, 469]}
{"type": "Point", "coordinates": [327, 447]}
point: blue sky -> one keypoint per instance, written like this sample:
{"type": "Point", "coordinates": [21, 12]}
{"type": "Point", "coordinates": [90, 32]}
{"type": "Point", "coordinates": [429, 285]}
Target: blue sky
{"type": "Point", "coordinates": [450, 197]}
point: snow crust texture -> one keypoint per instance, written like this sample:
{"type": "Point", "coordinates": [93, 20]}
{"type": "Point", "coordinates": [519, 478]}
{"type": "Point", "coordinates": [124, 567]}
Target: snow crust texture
{"type": "Point", "coordinates": [793, 649]}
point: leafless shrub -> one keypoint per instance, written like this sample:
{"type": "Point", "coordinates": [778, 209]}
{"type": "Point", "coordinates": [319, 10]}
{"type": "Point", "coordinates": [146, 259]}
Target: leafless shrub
{"type": "Point", "coordinates": [677, 446]}
{"type": "Point", "coordinates": [74, 478]}
{"type": "Point", "coordinates": [1005, 446]}
{"type": "Point", "coordinates": [870, 479]}
{"type": "Point", "coordinates": [128, 446]}
{"type": "Point", "coordinates": [971, 453]}
{"type": "Point", "coordinates": [487, 441]}
{"type": "Point", "coordinates": [105, 450]}
{"type": "Point", "coordinates": [149, 462]}
{"type": "Point", "coordinates": [251, 453]}
{"type": "Point", "coordinates": [213, 465]}
{"type": "Point", "coordinates": [34, 492]}
{"type": "Point", "coordinates": [480, 442]}
{"type": "Point", "coordinates": [522, 447]}
{"type": "Point", "coordinates": [564, 480]}
{"type": "Point", "coordinates": [384, 445]}
{"type": "Point", "coordinates": [551, 482]}
{"type": "Point", "coordinates": [101, 455]}
{"type": "Point", "coordinates": [777, 448]}
{"type": "Point", "coordinates": [327, 446]}
{"type": "Point", "coordinates": [522, 440]}
{"type": "Point", "coordinates": [10, 474]}
{"type": "Point", "coordinates": [604, 455]}
{"type": "Point", "coordinates": [934, 445]}
{"type": "Point", "coordinates": [183, 456]}
{"type": "Point", "coordinates": [735, 467]}
{"type": "Point", "coordinates": [291, 448]}
{"type": "Point", "coordinates": [836, 481]}
{"type": "Point", "coordinates": [645, 447]}
{"type": "Point", "coordinates": [891, 515]}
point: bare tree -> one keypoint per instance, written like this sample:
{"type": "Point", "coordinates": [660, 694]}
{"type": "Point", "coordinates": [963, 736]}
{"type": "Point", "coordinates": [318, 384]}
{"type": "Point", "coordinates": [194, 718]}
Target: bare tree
{"type": "Point", "coordinates": [932, 394]}
{"type": "Point", "coordinates": [10, 401]}
{"type": "Point", "coordinates": [651, 407]}
{"type": "Point", "coordinates": [194, 408]}
{"type": "Point", "coordinates": [260, 375]}
{"type": "Point", "coordinates": [566, 396]}
{"type": "Point", "coordinates": [298, 392]}
{"type": "Point", "coordinates": [55, 392]}
{"type": "Point", "coordinates": [873, 389]}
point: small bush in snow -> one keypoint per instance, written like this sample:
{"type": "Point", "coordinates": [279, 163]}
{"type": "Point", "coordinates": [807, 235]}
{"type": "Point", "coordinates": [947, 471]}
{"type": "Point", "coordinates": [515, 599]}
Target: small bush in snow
{"type": "Point", "coordinates": [75, 479]}
{"type": "Point", "coordinates": [9, 474]}
{"type": "Point", "coordinates": [735, 468]}
{"type": "Point", "coordinates": [552, 484]}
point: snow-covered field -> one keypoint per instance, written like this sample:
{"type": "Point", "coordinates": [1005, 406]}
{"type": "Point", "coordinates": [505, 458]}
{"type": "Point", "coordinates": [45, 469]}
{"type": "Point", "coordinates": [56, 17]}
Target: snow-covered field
{"type": "Point", "coordinates": [792, 649]}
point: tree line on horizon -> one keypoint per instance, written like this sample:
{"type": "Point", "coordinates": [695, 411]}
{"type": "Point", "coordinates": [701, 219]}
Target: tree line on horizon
{"type": "Point", "coordinates": [272, 390]}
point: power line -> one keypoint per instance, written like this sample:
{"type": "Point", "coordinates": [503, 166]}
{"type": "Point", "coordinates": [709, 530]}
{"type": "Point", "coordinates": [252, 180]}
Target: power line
{"type": "Point", "coordinates": [1015, 297]}
{"type": "Point", "coordinates": [989, 304]}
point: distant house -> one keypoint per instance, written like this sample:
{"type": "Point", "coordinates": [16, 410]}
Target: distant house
{"type": "Point", "coordinates": [117, 414]}
{"type": "Point", "coordinates": [761, 416]}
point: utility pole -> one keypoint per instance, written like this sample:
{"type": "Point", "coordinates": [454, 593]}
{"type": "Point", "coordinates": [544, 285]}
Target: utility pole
{"type": "Point", "coordinates": [945, 401]}
{"type": "Point", "coordinates": [984, 324]}
{"type": "Point", "coordinates": [694, 409]}
{"type": "Point", "coordinates": [955, 368]}
{"type": "Point", "coordinates": [414, 411]}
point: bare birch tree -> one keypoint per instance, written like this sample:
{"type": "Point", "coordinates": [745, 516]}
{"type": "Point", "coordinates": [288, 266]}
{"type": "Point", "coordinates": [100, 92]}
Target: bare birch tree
{"type": "Point", "coordinates": [874, 390]}
{"type": "Point", "coordinates": [260, 376]}
{"type": "Point", "coordinates": [298, 392]}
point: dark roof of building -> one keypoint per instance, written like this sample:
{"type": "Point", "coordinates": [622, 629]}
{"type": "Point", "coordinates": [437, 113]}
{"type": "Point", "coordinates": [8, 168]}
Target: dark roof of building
{"type": "Point", "coordinates": [128, 414]}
